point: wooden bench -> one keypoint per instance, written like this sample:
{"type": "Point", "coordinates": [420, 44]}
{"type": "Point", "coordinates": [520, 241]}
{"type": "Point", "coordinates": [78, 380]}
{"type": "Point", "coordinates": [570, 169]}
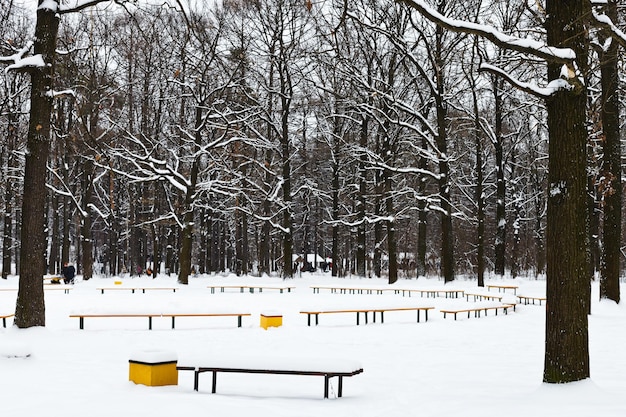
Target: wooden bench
{"type": "Point", "coordinates": [477, 310]}
{"type": "Point", "coordinates": [250, 288]}
{"type": "Point", "coordinates": [365, 312]}
{"type": "Point", "coordinates": [133, 289]}
{"type": "Point", "coordinates": [278, 367]}
{"type": "Point", "coordinates": [82, 316]}
{"type": "Point", "coordinates": [352, 290]}
{"type": "Point", "coordinates": [447, 293]}
{"type": "Point", "coordinates": [503, 288]}
{"type": "Point", "coordinates": [481, 297]}
{"type": "Point", "coordinates": [527, 299]}
{"type": "Point", "coordinates": [5, 317]}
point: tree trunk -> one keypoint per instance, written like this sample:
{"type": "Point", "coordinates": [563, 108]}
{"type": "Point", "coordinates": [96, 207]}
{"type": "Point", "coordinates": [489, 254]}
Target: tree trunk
{"type": "Point", "coordinates": [30, 306]}
{"type": "Point", "coordinates": [500, 243]}
{"type": "Point", "coordinates": [86, 235]}
{"type": "Point", "coordinates": [568, 282]}
{"type": "Point", "coordinates": [609, 272]}
{"type": "Point", "coordinates": [447, 244]}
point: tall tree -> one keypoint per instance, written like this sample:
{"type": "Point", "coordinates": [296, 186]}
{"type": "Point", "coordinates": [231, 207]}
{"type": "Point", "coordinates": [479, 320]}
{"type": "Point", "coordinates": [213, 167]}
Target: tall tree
{"type": "Point", "coordinates": [611, 185]}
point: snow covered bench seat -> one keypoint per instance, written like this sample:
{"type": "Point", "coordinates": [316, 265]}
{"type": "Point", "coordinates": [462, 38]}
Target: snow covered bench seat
{"type": "Point", "coordinates": [133, 289]}
{"type": "Point", "coordinates": [250, 288]}
{"type": "Point", "coordinates": [326, 367]}
{"type": "Point", "coordinates": [5, 317]}
{"type": "Point", "coordinates": [173, 315]}
{"type": "Point", "coordinates": [526, 299]}
{"type": "Point", "coordinates": [477, 310]}
{"type": "Point", "coordinates": [365, 311]}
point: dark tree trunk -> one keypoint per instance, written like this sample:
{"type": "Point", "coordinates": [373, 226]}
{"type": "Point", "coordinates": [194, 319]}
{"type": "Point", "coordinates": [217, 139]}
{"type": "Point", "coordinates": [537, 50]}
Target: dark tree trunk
{"type": "Point", "coordinates": [480, 201]}
{"type": "Point", "coordinates": [568, 281]}
{"type": "Point", "coordinates": [30, 306]}
{"type": "Point", "coordinates": [361, 202]}
{"type": "Point", "coordinates": [335, 216]}
{"type": "Point", "coordinates": [447, 244]}
{"type": "Point", "coordinates": [188, 216]}
{"type": "Point", "coordinates": [500, 243]}
{"type": "Point", "coordinates": [86, 235]}
{"type": "Point", "coordinates": [422, 214]}
{"type": "Point", "coordinates": [612, 191]}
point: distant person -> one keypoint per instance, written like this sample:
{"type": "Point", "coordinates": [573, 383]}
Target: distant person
{"type": "Point", "coordinates": [69, 272]}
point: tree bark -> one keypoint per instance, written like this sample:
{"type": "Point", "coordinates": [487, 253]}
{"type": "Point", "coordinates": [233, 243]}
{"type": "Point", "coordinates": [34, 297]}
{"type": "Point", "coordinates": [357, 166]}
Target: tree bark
{"type": "Point", "coordinates": [611, 171]}
{"type": "Point", "coordinates": [30, 308]}
{"type": "Point", "coordinates": [568, 282]}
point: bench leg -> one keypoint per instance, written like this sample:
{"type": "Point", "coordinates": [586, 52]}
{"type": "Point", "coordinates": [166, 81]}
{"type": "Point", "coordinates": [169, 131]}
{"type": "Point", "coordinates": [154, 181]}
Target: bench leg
{"type": "Point", "coordinates": [317, 319]}
{"type": "Point", "coordinates": [238, 321]}
{"type": "Point", "coordinates": [340, 388]}
{"type": "Point", "coordinates": [214, 383]}
{"type": "Point", "coordinates": [308, 319]}
{"type": "Point", "coordinates": [326, 378]}
{"type": "Point", "coordinates": [426, 311]}
{"type": "Point", "coordinates": [81, 323]}
{"type": "Point", "coordinates": [418, 316]}
{"type": "Point", "coordinates": [149, 322]}
{"type": "Point", "coordinates": [173, 321]}
{"type": "Point", "coordinates": [196, 379]}
{"type": "Point", "coordinates": [357, 318]}
{"type": "Point", "coordinates": [4, 322]}
{"type": "Point", "coordinates": [382, 317]}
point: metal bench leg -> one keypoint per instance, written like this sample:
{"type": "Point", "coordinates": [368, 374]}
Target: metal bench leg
{"type": "Point", "coordinates": [317, 319]}
{"type": "Point", "coordinates": [214, 383]}
{"type": "Point", "coordinates": [340, 388]}
{"type": "Point", "coordinates": [81, 323]}
{"type": "Point", "coordinates": [196, 379]}
{"type": "Point", "coordinates": [149, 322]}
{"type": "Point", "coordinates": [4, 322]}
{"type": "Point", "coordinates": [238, 321]}
{"type": "Point", "coordinates": [173, 321]}
{"type": "Point", "coordinates": [326, 378]}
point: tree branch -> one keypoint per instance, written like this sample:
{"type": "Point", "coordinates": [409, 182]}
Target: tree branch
{"type": "Point", "coordinates": [526, 46]}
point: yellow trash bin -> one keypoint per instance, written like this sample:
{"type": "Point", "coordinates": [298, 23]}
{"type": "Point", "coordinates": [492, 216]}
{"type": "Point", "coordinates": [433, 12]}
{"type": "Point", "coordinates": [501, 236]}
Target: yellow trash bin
{"type": "Point", "coordinates": [153, 368]}
{"type": "Point", "coordinates": [271, 319]}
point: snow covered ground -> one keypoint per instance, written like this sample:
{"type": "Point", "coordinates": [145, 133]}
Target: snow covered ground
{"type": "Point", "coordinates": [484, 367]}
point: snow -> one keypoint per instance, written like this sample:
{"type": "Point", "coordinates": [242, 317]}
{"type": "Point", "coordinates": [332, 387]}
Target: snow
{"type": "Point", "coordinates": [476, 367]}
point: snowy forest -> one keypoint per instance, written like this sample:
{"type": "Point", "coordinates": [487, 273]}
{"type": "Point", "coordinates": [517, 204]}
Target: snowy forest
{"type": "Point", "coordinates": [243, 135]}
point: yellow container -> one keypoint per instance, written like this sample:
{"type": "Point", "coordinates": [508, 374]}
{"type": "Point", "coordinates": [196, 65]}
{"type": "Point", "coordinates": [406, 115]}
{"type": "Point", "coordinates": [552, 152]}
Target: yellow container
{"type": "Point", "coordinates": [153, 374]}
{"type": "Point", "coordinates": [153, 368]}
{"type": "Point", "coordinates": [117, 282]}
{"type": "Point", "coordinates": [271, 320]}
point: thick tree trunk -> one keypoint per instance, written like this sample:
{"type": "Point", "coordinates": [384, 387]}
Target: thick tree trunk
{"type": "Point", "coordinates": [568, 281]}
{"type": "Point", "coordinates": [30, 306]}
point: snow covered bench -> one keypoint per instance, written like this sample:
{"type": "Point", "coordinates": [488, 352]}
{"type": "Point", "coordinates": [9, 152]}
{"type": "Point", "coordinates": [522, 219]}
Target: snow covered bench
{"type": "Point", "coordinates": [133, 289]}
{"type": "Point", "coordinates": [365, 311]}
{"type": "Point", "coordinates": [250, 288]}
{"type": "Point", "coordinates": [527, 299]}
{"type": "Point", "coordinates": [5, 317]}
{"type": "Point", "coordinates": [328, 368]}
{"type": "Point", "coordinates": [82, 316]}
{"type": "Point", "coordinates": [477, 310]}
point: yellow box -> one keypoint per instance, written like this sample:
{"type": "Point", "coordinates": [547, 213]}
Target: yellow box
{"type": "Point", "coordinates": [153, 374]}
{"type": "Point", "coordinates": [271, 320]}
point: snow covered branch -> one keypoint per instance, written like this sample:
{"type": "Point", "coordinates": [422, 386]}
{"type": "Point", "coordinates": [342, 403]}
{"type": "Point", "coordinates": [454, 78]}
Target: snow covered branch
{"type": "Point", "coordinates": [527, 46]}
{"type": "Point", "coordinates": [606, 23]}
{"type": "Point", "coordinates": [530, 88]}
